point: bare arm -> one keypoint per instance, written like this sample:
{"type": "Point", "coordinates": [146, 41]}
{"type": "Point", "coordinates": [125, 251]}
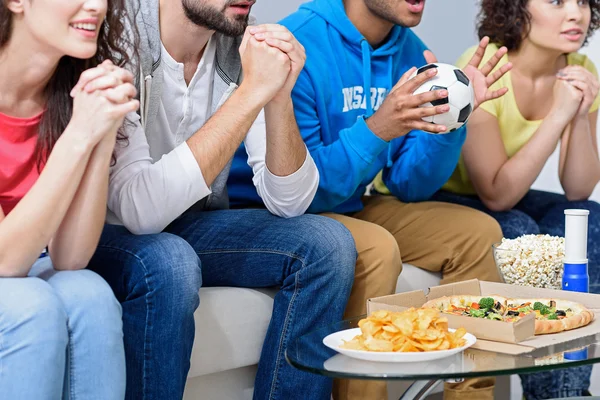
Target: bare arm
{"type": "Point", "coordinates": [40, 214]}
{"type": "Point", "coordinates": [499, 181]}
{"type": "Point", "coordinates": [216, 142]}
{"type": "Point", "coordinates": [285, 196]}
{"type": "Point", "coordinates": [146, 196]}
{"type": "Point", "coordinates": [265, 72]}
{"type": "Point", "coordinates": [579, 166]}
{"type": "Point", "coordinates": [77, 237]}
{"type": "Point", "coordinates": [29, 227]}
{"type": "Point", "coordinates": [285, 175]}
{"type": "Point", "coordinates": [286, 151]}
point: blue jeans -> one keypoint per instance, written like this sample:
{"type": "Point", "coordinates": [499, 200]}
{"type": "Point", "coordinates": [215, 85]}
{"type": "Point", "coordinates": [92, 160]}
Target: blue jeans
{"type": "Point", "coordinates": [543, 212]}
{"type": "Point", "coordinates": [157, 277]}
{"type": "Point", "coordinates": [60, 336]}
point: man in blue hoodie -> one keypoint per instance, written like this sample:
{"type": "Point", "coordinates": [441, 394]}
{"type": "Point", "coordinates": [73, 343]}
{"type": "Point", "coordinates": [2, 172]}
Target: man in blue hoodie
{"type": "Point", "coordinates": [357, 114]}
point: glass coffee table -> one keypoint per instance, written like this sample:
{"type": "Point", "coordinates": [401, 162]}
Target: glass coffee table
{"type": "Point", "coordinates": [308, 353]}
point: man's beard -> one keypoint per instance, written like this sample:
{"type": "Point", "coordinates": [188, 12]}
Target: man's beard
{"type": "Point", "coordinates": [214, 19]}
{"type": "Point", "coordinates": [383, 9]}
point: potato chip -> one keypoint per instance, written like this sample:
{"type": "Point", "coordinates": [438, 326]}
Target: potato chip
{"type": "Point", "coordinates": [381, 314]}
{"type": "Point", "coordinates": [441, 324]}
{"type": "Point", "coordinates": [445, 345]}
{"type": "Point", "coordinates": [378, 345]}
{"type": "Point", "coordinates": [390, 328]}
{"type": "Point", "coordinates": [413, 330]}
{"type": "Point", "coordinates": [370, 328]}
{"type": "Point", "coordinates": [404, 324]}
{"type": "Point", "coordinates": [353, 344]}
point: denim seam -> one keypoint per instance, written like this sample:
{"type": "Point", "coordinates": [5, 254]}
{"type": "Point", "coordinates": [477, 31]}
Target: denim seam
{"type": "Point", "coordinates": [1, 349]}
{"type": "Point", "coordinates": [147, 350]}
{"type": "Point", "coordinates": [284, 333]}
{"type": "Point", "coordinates": [148, 306]}
{"type": "Point", "coordinates": [283, 253]}
{"type": "Point", "coordinates": [71, 368]}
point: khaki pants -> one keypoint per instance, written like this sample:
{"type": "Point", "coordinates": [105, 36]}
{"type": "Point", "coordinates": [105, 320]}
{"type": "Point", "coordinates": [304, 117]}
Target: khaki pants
{"type": "Point", "coordinates": [440, 237]}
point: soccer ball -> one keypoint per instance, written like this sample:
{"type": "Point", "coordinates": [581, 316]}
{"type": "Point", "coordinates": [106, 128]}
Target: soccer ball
{"type": "Point", "coordinates": [460, 95]}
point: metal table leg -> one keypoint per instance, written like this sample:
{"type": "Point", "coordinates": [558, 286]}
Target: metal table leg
{"type": "Point", "coordinates": [420, 389]}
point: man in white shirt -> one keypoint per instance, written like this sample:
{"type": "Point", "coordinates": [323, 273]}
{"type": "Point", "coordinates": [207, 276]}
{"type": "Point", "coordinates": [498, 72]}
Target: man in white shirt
{"type": "Point", "coordinates": [169, 228]}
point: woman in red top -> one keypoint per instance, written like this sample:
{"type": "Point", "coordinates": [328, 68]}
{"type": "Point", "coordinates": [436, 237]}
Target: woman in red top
{"type": "Point", "coordinates": [60, 325]}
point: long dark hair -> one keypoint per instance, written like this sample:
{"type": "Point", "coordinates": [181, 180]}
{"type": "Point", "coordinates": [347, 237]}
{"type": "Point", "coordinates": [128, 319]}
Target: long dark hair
{"type": "Point", "coordinates": [507, 22]}
{"type": "Point", "coordinates": [116, 42]}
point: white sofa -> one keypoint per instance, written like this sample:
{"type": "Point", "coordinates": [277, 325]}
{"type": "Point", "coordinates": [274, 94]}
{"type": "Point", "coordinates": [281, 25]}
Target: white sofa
{"type": "Point", "coordinates": [231, 324]}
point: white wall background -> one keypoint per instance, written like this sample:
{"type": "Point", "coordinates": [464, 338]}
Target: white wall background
{"type": "Point", "coordinates": [447, 37]}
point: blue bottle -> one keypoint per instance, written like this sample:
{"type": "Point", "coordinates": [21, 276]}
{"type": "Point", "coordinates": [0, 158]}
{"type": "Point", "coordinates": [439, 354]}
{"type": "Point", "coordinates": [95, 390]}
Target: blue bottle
{"type": "Point", "coordinates": [575, 275]}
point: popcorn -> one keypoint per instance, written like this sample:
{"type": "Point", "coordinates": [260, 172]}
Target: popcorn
{"type": "Point", "coordinates": [531, 260]}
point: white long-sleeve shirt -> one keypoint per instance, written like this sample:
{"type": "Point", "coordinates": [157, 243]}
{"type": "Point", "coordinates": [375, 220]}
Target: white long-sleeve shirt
{"type": "Point", "coordinates": [156, 176]}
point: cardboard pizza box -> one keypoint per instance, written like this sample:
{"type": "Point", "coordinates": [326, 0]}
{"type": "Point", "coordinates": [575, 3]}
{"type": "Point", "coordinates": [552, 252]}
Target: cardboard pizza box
{"type": "Point", "coordinates": [504, 337]}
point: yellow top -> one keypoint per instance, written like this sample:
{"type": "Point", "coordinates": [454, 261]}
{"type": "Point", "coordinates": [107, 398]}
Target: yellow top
{"type": "Point", "coordinates": [514, 128]}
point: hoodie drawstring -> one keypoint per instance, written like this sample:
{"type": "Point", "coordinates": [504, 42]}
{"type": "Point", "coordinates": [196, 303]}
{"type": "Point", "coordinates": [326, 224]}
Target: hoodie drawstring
{"type": "Point", "coordinates": [390, 73]}
{"type": "Point", "coordinates": [366, 55]}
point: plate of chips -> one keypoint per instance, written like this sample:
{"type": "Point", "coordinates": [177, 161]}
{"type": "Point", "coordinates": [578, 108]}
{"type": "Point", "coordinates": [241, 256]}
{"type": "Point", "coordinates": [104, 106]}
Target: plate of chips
{"type": "Point", "coordinates": [413, 335]}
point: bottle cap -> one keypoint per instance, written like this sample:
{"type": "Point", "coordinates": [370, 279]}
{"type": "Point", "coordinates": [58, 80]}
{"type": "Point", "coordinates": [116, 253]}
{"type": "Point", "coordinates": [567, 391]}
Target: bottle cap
{"type": "Point", "coordinates": [576, 233]}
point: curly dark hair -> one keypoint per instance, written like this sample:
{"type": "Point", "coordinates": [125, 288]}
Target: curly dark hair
{"type": "Point", "coordinates": [507, 22]}
{"type": "Point", "coordinates": [117, 41]}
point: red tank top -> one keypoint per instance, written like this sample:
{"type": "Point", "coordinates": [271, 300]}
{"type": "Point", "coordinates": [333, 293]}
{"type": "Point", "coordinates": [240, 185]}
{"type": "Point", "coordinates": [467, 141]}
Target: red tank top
{"type": "Point", "coordinates": [18, 162]}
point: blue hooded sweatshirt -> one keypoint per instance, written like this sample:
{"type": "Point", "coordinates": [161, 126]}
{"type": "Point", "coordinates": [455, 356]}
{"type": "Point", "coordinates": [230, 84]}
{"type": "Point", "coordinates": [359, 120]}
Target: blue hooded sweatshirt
{"type": "Point", "coordinates": [345, 81]}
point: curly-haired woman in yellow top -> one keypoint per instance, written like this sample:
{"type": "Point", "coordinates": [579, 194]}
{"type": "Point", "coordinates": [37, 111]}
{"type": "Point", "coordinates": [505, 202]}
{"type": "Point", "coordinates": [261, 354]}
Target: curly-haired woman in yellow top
{"type": "Point", "coordinates": [553, 100]}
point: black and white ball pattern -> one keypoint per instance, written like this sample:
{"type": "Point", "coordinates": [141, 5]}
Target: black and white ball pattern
{"type": "Point", "coordinates": [460, 95]}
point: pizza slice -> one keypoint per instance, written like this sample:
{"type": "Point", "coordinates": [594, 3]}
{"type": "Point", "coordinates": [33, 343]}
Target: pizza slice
{"type": "Point", "coordinates": [488, 307]}
{"type": "Point", "coordinates": [551, 315]}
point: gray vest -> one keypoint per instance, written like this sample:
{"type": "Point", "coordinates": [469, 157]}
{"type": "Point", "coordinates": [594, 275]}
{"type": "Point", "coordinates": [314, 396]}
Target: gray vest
{"type": "Point", "coordinates": [228, 73]}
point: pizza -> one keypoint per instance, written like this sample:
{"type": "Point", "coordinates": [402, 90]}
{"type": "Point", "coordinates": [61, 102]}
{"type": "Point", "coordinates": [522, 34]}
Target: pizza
{"type": "Point", "coordinates": [492, 307]}
{"type": "Point", "coordinates": [551, 315]}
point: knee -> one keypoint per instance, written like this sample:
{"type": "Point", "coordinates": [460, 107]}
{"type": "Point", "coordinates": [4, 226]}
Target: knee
{"type": "Point", "coordinates": [171, 268]}
{"type": "Point", "coordinates": [31, 309]}
{"type": "Point", "coordinates": [379, 252]}
{"type": "Point", "coordinates": [329, 244]}
{"type": "Point", "coordinates": [86, 295]}
{"type": "Point", "coordinates": [485, 228]}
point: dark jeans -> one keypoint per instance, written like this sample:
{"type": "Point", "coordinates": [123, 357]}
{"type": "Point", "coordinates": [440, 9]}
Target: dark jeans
{"type": "Point", "coordinates": [543, 212]}
{"type": "Point", "coordinates": [157, 277]}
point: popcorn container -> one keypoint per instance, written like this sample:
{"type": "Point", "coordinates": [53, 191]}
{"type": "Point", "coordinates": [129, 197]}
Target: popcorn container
{"type": "Point", "coordinates": [575, 276]}
{"type": "Point", "coordinates": [531, 260]}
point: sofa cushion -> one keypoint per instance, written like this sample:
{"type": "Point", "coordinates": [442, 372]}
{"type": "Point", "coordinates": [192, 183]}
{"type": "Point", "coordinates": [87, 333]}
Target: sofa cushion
{"type": "Point", "coordinates": [231, 324]}
{"type": "Point", "coordinates": [413, 278]}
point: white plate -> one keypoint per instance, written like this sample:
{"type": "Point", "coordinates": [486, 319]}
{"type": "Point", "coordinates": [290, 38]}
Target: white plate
{"type": "Point", "coordinates": [458, 363]}
{"type": "Point", "coordinates": [335, 340]}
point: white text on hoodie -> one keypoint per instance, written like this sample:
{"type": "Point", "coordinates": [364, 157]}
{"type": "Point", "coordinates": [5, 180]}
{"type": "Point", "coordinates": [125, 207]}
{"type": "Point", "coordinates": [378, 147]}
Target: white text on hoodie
{"type": "Point", "coordinates": [355, 99]}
